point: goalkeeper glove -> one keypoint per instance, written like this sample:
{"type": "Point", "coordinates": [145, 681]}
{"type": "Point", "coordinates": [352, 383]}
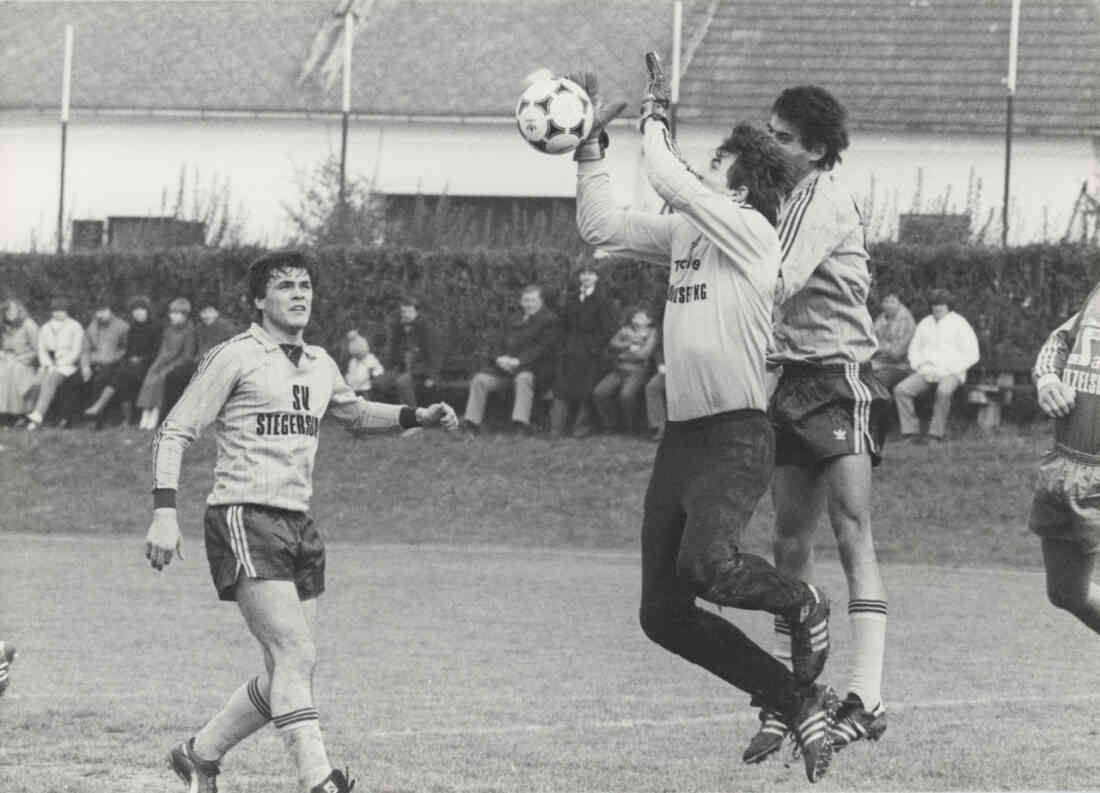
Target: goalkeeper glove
{"type": "Point", "coordinates": [658, 94]}
{"type": "Point", "coordinates": [592, 147]}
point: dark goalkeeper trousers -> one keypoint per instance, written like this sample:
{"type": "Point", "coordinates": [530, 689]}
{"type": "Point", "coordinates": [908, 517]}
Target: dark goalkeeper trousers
{"type": "Point", "coordinates": [707, 479]}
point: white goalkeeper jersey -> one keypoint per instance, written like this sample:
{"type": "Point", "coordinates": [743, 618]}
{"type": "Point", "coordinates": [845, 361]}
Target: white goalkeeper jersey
{"type": "Point", "coordinates": [724, 261]}
{"type": "Point", "coordinates": [268, 412]}
{"type": "Point", "coordinates": [821, 314]}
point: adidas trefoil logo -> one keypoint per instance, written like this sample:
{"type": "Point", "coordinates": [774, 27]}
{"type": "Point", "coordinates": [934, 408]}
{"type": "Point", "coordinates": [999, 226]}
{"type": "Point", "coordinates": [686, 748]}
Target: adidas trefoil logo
{"type": "Point", "coordinates": [840, 435]}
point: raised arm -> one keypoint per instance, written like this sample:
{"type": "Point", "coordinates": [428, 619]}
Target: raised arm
{"type": "Point", "coordinates": [602, 224]}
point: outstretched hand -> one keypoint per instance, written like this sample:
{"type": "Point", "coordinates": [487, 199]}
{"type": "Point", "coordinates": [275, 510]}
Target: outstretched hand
{"type": "Point", "coordinates": [438, 415]}
{"type": "Point", "coordinates": [592, 147]}
{"type": "Point", "coordinates": [658, 95]}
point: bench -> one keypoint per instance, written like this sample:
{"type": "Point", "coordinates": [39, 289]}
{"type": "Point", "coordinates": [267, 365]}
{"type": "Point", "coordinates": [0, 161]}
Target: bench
{"type": "Point", "coordinates": [998, 384]}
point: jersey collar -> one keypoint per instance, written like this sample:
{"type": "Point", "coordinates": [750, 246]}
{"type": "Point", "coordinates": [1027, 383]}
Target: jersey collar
{"type": "Point", "coordinates": [269, 344]}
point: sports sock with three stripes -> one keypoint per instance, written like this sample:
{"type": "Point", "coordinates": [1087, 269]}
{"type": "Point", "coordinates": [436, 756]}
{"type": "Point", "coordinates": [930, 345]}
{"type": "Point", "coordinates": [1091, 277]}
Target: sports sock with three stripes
{"type": "Point", "coordinates": [301, 733]}
{"type": "Point", "coordinates": [245, 711]}
{"type": "Point", "coordinates": [868, 620]}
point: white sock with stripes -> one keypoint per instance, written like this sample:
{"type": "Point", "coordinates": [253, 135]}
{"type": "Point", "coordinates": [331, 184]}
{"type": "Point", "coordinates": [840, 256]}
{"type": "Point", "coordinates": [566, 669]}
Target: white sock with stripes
{"type": "Point", "coordinates": [245, 712]}
{"type": "Point", "coordinates": [781, 649]}
{"type": "Point", "coordinates": [868, 620]}
{"type": "Point", "coordinates": [301, 732]}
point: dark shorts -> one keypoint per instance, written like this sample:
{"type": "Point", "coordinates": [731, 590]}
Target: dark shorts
{"type": "Point", "coordinates": [1066, 504]}
{"type": "Point", "coordinates": [266, 543]}
{"type": "Point", "coordinates": [824, 412]}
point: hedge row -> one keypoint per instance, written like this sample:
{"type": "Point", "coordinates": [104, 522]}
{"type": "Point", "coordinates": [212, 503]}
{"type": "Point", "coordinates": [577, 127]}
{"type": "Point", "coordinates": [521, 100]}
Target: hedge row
{"type": "Point", "coordinates": [1014, 297]}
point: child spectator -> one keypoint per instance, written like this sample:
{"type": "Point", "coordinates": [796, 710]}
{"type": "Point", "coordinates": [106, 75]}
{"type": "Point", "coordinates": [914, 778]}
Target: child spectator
{"type": "Point", "coordinates": [632, 350]}
{"type": "Point", "coordinates": [363, 365]}
{"type": "Point", "coordinates": [177, 348]}
{"type": "Point", "coordinates": [18, 355]}
{"type": "Point", "coordinates": [60, 343]}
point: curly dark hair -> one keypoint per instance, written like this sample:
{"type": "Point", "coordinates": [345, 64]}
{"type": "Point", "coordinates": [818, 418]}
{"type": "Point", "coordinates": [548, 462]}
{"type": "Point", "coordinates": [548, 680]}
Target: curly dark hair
{"type": "Point", "coordinates": [762, 166]}
{"type": "Point", "coordinates": [819, 118]}
{"type": "Point", "coordinates": [262, 269]}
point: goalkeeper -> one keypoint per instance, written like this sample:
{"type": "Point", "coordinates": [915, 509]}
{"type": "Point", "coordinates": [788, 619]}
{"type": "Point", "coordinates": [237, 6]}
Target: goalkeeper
{"type": "Point", "coordinates": [716, 458]}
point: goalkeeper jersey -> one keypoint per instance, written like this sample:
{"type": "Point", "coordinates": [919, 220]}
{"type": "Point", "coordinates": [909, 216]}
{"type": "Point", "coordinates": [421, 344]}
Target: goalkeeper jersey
{"type": "Point", "coordinates": [821, 314]}
{"type": "Point", "coordinates": [268, 413]}
{"type": "Point", "coordinates": [724, 260]}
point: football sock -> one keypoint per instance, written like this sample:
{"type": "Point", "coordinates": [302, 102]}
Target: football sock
{"type": "Point", "coordinates": [868, 620]}
{"type": "Point", "coordinates": [301, 733]}
{"type": "Point", "coordinates": [245, 711]}
{"type": "Point", "coordinates": [782, 647]}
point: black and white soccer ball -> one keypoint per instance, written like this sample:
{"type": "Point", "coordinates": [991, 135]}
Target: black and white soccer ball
{"type": "Point", "coordinates": [554, 115]}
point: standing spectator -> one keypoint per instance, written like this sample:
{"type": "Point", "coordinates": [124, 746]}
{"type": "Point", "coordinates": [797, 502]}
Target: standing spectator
{"type": "Point", "coordinates": [525, 361]}
{"type": "Point", "coordinates": [894, 330]}
{"type": "Point", "coordinates": [656, 409]}
{"type": "Point", "coordinates": [18, 354]}
{"type": "Point", "coordinates": [60, 342]}
{"type": "Point", "coordinates": [363, 366]}
{"type": "Point", "coordinates": [211, 331]}
{"type": "Point", "coordinates": [177, 348]}
{"type": "Point", "coordinates": [413, 356]}
{"type": "Point", "coordinates": [943, 348]}
{"type": "Point", "coordinates": [587, 323]}
{"type": "Point", "coordinates": [104, 347]}
{"type": "Point", "coordinates": [632, 349]}
{"type": "Point", "coordinates": [142, 343]}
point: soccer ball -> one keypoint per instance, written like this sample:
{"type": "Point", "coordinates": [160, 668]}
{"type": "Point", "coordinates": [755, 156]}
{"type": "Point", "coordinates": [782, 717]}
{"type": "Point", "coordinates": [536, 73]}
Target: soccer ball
{"type": "Point", "coordinates": [554, 115]}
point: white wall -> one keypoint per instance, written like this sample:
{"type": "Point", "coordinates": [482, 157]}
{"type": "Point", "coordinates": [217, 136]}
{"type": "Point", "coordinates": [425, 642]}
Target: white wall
{"type": "Point", "coordinates": [121, 165]}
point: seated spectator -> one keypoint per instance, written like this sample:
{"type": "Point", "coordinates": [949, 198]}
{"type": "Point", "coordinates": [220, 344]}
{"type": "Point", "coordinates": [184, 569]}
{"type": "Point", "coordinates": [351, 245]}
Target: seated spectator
{"type": "Point", "coordinates": [177, 348]}
{"type": "Point", "coordinates": [524, 360]}
{"type": "Point", "coordinates": [413, 357]}
{"type": "Point", "coordinates": [104, 346]}
{"type": "Point", "coordinates": [124, 380]}
{"type": "Point", "coordinates": [656, 410]}
{"type": "Point", "coordinates": [363, 365]}
{"type": "Point", "coordinates": [60, 343]}
{"type": "Point", "coordinates": [943, 348]}
{"type": "Point", "coordinates": [894, 330]}
{"type": "Point", "coordinates": [18, 358]}
{"type": "Point", "coordinates": [211, 330]}
{"type": "Point", "coordinates": [632, 351]}
{"type": "Point", "coordinates": [587, 325]}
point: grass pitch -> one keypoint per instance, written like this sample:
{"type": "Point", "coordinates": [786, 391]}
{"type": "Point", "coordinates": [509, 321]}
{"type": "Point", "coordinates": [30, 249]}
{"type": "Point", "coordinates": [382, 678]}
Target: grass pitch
{"type": "Point", "coordinates": [480, 632]}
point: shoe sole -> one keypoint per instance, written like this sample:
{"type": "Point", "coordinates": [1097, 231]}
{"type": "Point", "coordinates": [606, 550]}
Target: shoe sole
{"type": "Point", "coordinates": [762, 755]}
{"type": "Point", "coordinates": [185, 776]}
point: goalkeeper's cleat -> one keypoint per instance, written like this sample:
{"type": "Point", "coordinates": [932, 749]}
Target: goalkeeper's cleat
{"type": "Point", "coordinates": [199, 775]}
{"type": "Point", "coordinates": [7, 658]}
{"type": "Point", "coordinates": [810, 638]}
{"type": "Point", "coordinates": [335, 782]}
{"type": "Point", "coordinates": [769, 740]}
{"type": "Point", "coordinates": [811, 731]}
{"type": "Point", "coordinates": [855, 723]}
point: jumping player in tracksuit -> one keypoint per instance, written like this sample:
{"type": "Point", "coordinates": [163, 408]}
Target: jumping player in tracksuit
{"type": "Point", "coordinates": [1065, 511]}
{"type": "Point", "coordinates": [715, 460]}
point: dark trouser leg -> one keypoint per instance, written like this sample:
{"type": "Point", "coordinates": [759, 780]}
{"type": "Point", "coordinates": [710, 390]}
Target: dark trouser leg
{"type": "Point", "coordinates": [559, 416]}
{"type": "Point", "coordinates": [406, 391]}
{"type": "Point", "coordinates": [668, 612]}
{"type": "Point", "coordinates": [628, 398]}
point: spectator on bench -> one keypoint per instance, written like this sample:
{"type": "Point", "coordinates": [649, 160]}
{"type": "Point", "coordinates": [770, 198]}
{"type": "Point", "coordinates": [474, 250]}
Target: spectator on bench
{"type": "Point", "coordinates": [363, 366]}
{"type": "Point", "coordinates": [142, 343]}
{"type": "Point", "coordinates": [656, 409]}
{"type": "Point", "coordinates": [894, 329]}
{"type": "Point", "coordinates": [632, 350]}
{"type": "Point", "coordinates": [587, 324]}
{"type": "Point", "coordinates": [413, 356]}
{"type": "Point", "coordinates": [525, 361]}
{"type": "Point", "coordinates": [60, 342]}
{"type": "Point", "coordinates": [211, 331]}
{"type": "Point", "coordinates": [104, 347]}
{"type": "Point", "coordinates": [177, 348]}
{"type": "Point", "coordinates": [943, 348]}
{"type": "Point", "coordinates": [18, 357]}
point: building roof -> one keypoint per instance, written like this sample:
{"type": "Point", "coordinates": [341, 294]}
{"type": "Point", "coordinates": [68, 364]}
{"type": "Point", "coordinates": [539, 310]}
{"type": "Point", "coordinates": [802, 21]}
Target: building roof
{"type": "Point", "coordinates": [896, 64]}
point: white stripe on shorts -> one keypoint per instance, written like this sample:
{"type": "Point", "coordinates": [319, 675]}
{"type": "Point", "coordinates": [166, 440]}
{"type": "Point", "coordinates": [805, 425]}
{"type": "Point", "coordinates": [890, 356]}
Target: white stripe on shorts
{"type": "Point", "coordinates": [861, 410]}
{"type": "Point", "coordinates": [235, 518]}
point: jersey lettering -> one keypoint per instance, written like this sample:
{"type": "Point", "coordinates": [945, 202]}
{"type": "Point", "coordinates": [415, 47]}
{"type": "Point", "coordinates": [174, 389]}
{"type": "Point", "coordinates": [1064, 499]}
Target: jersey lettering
{"type": "Point", "coordinates": [300, 394]}
{"type": "Point", "coordinates": [692, 293]}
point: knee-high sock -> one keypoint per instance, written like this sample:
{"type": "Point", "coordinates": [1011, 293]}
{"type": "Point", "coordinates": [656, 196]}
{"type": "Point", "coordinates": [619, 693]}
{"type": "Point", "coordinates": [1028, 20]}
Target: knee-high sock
{"type": "Point", "coordinates": [301, 733]}
{"type": "Point", "coordinates": [782, 647]}
{"type": "Point", "coordinates": [245, 712]}
{"type": "Point", "coordinates": [868, 619]}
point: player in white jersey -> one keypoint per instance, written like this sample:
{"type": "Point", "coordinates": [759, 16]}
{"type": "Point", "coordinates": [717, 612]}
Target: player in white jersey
{"type": "Point", "coordinates": [828, 409]}
{"type": "Point", "coordinates": [715, 459]}
{"type": "Point", "coordinates": [268, 391]}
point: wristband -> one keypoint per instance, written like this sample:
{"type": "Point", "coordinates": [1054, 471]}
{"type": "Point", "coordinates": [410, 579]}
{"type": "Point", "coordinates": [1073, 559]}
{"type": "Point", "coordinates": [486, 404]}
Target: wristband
{"type": "Point", "coordinates": [164, 497]}
{"type": "Point", "coordinates": [407, 418]}
{"type": "Point", "coordinates": [592, 148]}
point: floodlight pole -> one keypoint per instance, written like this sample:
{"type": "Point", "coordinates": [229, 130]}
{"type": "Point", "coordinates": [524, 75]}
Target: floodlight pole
{"type": "Point", "coordinates": [66, 85]}
{"type": "Point", "coordinates": [677, 28]}
{"type": "Point", "coordinates": [349, 32]}
{"type": "Point", "coordinates": [1010, 82]}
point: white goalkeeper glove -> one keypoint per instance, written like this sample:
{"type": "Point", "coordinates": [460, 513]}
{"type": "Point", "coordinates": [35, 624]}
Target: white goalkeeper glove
{"type": "Point", "coordinates": [658, 94]}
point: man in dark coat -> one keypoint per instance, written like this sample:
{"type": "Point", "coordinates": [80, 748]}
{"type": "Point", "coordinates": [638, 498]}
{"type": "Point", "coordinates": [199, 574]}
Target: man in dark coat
{"type": "Point", "coordinates": [413, 355]}
{"type": "Point", "coordinates": [209, 333]}
{"type": "Point", "coordinates": [526, 360]}
{"type": "Point", "coordinates": [587, 324]}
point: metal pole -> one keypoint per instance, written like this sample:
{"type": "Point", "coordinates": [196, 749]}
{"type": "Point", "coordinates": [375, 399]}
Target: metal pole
{"type": "Point", "coordinates": [1010, 82]}
{"type": "Point", "coordinates": [66, 84]}
{"type": "Point", "coordinates": [349, 25]}
{"type": "Point", "coordinates": [677, 27]}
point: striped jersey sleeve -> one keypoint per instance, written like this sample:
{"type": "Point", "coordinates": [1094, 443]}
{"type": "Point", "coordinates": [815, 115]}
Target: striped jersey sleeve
{"type": "Point", "coordinates": [813, 225]}
{"type": "Point", "coordinates": [202, 400]}
{"type": "Point", "coordinates": [1051, 359]}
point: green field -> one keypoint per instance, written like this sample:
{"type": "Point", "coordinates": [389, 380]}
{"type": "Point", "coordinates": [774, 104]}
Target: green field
{"type": "Point", "coordinates": [480, 633]}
